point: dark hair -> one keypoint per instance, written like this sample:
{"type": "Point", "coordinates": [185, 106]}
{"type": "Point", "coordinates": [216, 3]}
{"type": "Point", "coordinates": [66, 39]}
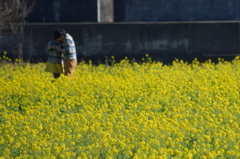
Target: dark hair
{"type": "Point", "coordinates": [58, 33]}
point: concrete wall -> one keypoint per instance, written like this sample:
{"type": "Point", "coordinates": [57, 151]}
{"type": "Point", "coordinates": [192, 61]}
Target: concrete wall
{"type": "Point", "coordinates": [159, 40]}
{"type": "Point", "coordinates": [105, 11]}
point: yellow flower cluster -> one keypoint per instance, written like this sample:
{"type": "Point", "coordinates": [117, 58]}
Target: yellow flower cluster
{"type": "Point", "coordinates": [127, 110]}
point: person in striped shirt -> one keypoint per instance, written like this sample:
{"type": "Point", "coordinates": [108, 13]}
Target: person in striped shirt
{"type": "Point", "coordinates": [55, 57]}
{"type": "Point", "coordinates": [69, 51]}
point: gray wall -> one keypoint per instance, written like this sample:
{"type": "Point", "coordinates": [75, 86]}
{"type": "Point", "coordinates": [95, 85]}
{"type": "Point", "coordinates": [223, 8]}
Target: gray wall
{"type": "Point", "coordinates": [159, 40]}
{"type": "Point", "coordinates": [105, 11]}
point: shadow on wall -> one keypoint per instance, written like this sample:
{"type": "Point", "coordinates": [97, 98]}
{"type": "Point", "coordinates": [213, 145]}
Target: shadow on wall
{"type": "Point", "coordinates": [97, 60]}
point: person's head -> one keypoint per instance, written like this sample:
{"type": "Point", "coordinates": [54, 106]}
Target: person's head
{"type": "Point", "coordinates": [59, 35]}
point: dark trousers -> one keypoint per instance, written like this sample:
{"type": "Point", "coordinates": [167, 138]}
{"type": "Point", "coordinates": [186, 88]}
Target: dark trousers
{"type": "Point", "coordinates": [56, 75]}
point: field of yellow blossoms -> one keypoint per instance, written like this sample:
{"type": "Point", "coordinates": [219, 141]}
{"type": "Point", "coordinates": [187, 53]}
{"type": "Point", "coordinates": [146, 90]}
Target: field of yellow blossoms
{"type": "Point", "coordinates": [129, 110]}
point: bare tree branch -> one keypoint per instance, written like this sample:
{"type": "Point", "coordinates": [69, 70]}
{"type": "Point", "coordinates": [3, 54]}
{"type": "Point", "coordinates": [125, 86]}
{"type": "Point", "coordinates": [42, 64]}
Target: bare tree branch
{"type": "Point", "coordinates": [14, 11]}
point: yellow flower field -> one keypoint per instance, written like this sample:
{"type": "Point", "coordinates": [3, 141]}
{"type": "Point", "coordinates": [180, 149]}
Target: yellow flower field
{"type": "Point", "coordinates": [128, 110]}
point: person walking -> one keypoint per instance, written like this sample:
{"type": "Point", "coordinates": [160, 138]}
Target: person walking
{"type": "Point", "coordinates": [69, 52]}
{"type": "Point", "coordinates": [55, 57]}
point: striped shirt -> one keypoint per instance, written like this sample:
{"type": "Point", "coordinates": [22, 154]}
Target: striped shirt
{"type": "Point", "coordinates": [54, 56]}
{"type": "Point", "coordinates": [68, 48]}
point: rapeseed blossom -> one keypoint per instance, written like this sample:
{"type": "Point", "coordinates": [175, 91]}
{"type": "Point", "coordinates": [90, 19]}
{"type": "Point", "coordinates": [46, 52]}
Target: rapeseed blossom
{"type": "Point", "coordinates": [127, 110]}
